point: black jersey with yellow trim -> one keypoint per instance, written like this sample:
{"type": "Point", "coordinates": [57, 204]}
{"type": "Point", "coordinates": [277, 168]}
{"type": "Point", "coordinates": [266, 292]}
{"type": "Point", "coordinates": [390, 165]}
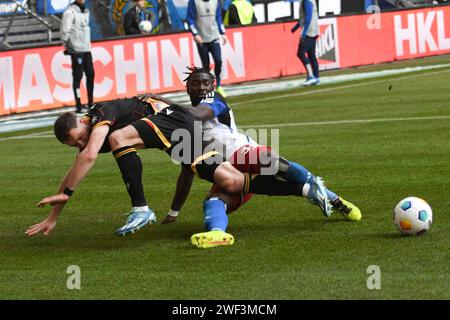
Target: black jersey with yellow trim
{"type": "Point", "coordinates": [117, 114]}
{"type": "Point", "coordinates": [155, 104]}
{"type": "Point", "coordinates": [170, 119]}
{"type": "Point", "coordinates": [190, 136]}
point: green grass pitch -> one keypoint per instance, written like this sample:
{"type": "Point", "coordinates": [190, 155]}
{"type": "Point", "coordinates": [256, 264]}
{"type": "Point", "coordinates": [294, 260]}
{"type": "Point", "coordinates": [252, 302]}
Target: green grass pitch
{"type": "Point", "coordinates": [285, 248]}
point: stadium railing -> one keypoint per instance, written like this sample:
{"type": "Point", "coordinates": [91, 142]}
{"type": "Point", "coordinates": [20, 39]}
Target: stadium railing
{"type": "Point", "coordinates": [21, 26]}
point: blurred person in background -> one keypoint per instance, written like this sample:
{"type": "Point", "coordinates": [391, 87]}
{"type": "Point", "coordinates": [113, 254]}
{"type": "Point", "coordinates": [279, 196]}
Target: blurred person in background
{"type": "Point", "coordinates": [309, 21]}
{"type": "Point", "coordinates": [204, 18]}
{"type": "Point", "coordinates": [134, 16]}
{"type": "Point", "coordinates": [240, 12]}
{"type": "Point", "coordinates": [76, 38]}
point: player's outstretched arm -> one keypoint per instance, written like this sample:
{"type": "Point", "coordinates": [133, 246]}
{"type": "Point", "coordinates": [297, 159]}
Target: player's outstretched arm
{"type": "Point", "coordinates": [47, 225]}
{"type": "Point", "coordinates": [83, 163]}
{"type": "Point", "coordinates": [209, 108]}
{"type": "Point", "coordinates": [202, 112]}
{"type": "Point", "coordinates": [86, 158]}
{"type": "Point", "coordinates": [184, 184]}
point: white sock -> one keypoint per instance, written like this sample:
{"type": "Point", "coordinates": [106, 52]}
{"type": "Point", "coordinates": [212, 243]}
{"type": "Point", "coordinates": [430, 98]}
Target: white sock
{"type": "Point", "coordinates": [309, 70]}
{"type": "Point", "coordinates": [305, 190]}
{"type": "Point", "coordinates": [140, 209]}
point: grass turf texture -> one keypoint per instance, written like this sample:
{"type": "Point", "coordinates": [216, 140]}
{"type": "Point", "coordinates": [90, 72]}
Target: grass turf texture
{"type": "Point", "coordinates": [285, 248]}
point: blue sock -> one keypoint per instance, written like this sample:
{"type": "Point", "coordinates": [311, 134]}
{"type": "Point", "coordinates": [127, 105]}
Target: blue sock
{"type": "Point", "coordinates": [297, 173]}
{"type": "Point", "coordinates": [215, 213]}
{"type": "Point", "coordinates": [331, 195]}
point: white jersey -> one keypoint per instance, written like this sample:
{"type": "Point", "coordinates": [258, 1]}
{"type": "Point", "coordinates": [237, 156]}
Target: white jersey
{"type": "Point", "coordinates": [222, 134]}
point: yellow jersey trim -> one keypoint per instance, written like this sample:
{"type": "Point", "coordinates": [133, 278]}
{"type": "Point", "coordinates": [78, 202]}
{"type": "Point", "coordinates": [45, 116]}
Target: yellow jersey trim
{"type": "Point", "coordinates": [158, 133]}
{"type": "Point", "coordinates": [102, 123]}
{"type": "Point", "coordinates": [201, 158]}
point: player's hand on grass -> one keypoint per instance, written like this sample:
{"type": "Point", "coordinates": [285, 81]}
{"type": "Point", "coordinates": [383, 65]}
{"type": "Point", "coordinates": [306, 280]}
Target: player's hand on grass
{"type": "Point", "coordinates": [168, 219]}
{"type": "Point", "coordinates": [57, 198]}
{"type": "Point", "coordinates": [45, 227]}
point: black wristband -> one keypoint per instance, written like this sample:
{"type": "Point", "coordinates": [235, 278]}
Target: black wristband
{"type": "Point", "coordinates": [68, 192]}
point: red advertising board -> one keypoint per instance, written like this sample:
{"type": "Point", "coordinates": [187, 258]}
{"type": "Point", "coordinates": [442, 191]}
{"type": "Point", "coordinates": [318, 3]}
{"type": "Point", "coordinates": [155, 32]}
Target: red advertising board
{"type": "Point", "coordinates": [394, 36]}
{"type": "Point", "coordinates": [38, 79]}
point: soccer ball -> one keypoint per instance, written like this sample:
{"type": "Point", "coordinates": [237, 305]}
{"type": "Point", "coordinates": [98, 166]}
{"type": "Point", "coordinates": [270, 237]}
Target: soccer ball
{"type": "Point", "coordinates": [145, 26]}
{"type": "Point", "coordinates": [413, 216]}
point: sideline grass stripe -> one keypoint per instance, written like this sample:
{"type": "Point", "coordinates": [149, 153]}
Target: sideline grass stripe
{"type": "Point", "coordinates": [339, 88]}
{"type": "Point", "coordinates": [47, 134]}
{"type": "Point", "coordinates": [355, 121]}
{"type": "Point", "coordinates": [7, 124]}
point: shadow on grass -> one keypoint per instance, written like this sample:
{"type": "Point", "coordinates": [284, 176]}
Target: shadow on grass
{"type": "Point", "coordinates": [338, 220]}
{"type": "Point", "coordinates": [291, 225]}
{"type": "Point", "coordinates": [96, 237]}
{"type": "Point", "coordinates": [392, 236]}
{"type": "Point", "coordinates": [79, 235]}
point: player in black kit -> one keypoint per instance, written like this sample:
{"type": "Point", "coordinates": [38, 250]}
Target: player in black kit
{"type": "Point", "coordinates": [91, 134]}
{"type": "Point", "coordinates": [124, 125]}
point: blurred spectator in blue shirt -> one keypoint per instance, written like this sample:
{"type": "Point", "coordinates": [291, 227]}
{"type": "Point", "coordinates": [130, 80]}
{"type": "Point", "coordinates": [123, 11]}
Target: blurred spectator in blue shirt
{"type": "Point", "coordinates": [309, 21]}
{"type": "Point", "coordinates": [204, 18]}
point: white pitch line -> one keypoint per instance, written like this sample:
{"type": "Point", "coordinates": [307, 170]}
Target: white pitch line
{"type": "Point", "coordinates": [274, 97]}
{"type": "Point", "coordinates": [11, 123]}
{"type": "Point", "coordinates": [36, 135]}
{"type": "Point", "coordinates": [322, 123]}
{"type": "Point", "coordinates": [25, 137]}
{"type": "Point", "coordinates": [272, 125]}
{"type": "Point", "coordinates": [42, 133]}
{"type": "Point", "coordinates": [339, 87]}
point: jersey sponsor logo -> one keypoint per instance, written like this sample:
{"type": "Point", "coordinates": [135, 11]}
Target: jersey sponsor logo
{"type": "Point", "coordinates": [168, 112]}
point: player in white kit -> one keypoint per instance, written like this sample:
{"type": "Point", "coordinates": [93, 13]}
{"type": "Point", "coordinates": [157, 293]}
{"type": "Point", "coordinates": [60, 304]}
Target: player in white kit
{"type": "Point", "coordinates": [247, 156]}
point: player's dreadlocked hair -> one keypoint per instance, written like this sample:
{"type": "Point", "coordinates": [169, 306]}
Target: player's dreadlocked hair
{"type": "Point", "coordinates": [195, 70]}
{"type": "Point", "coordinates": [63, 124]}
